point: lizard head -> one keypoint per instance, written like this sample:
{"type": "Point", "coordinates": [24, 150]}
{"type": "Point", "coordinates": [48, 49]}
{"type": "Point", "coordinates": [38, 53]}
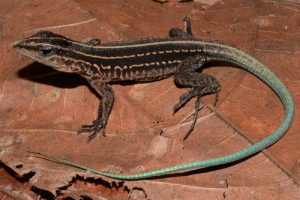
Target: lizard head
{"type": "Point", "coordinates": [48, 48]}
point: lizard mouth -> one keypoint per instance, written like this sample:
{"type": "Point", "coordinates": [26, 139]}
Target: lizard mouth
{"type": "Point", "coordinates": [26, 50]}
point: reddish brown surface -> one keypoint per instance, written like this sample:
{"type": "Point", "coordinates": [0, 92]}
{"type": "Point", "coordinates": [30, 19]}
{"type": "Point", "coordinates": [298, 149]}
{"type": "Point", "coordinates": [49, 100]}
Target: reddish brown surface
{"type": "Point", "coordinates": [41, 110]}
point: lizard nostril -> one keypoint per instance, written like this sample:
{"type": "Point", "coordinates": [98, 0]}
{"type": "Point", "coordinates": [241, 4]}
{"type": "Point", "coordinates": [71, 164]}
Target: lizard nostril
{"type": "Point", "coordinates": [18, 44]}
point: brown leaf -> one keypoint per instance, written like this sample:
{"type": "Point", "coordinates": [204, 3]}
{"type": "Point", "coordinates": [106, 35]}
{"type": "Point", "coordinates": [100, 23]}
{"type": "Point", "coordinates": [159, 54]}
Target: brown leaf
{"type": "Point", "coordinates": [41, 110]}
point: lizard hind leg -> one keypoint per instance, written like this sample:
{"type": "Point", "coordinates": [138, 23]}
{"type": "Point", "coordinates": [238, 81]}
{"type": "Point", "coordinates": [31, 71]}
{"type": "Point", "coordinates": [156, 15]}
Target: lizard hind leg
{"type": "Point", "coordinates": [200, 83]}
{"type": "Point", "coordinates": [187, 25]}
{"type": "Point", "coordinates": [198, 92]}
{"type": "Point", "coordinates": [183, 33]}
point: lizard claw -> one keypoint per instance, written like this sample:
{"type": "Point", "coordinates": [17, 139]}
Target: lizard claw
{"type": "Point", "coordinates": [94, 129]}
{"type": "Point", "coordinates": [93, 135]}
{"type": "Point", "coordinates": [183, 99]}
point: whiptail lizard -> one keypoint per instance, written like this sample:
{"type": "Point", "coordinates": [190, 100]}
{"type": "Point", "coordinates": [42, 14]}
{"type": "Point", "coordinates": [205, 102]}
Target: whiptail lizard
{"type": "Point", "coordinates": [181, 55]}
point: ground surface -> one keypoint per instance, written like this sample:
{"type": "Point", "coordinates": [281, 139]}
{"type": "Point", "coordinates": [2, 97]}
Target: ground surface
{"type": "Point", "coordinates": [40, 110]}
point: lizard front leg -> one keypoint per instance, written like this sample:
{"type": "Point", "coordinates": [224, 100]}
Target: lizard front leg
{"type": "Point", "coordinates": [106, 93]}
{"type": "Point", "coordinates": [200, 83]}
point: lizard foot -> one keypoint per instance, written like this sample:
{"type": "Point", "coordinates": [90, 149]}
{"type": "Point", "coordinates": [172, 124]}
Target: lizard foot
{"type": "Point", "coordinates": [93, 129]}
{"type": "Point", "coordinates": [195, 115]}
{"type": "Point", "coordinates": [184, 98]}
{"type": "Point", "coordinates": [183, 33]}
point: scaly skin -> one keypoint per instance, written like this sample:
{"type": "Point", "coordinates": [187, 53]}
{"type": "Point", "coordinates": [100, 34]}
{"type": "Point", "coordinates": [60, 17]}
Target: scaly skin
{"type": "Point", "coordinates": [212, 52]}
{"type": "Point", "coordinates": [246, 62]}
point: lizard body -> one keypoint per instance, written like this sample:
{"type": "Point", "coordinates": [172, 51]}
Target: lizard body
{"type": "Point", "coordinates": [150, 59]}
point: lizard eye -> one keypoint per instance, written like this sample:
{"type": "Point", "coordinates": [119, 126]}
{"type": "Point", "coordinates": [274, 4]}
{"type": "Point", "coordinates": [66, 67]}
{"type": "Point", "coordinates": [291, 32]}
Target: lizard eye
{"type": "Point", "coordinates": [46, 51]}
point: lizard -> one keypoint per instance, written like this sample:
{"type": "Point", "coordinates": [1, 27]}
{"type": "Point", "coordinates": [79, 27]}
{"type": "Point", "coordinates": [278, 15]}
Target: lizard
{"type": "Point", "coordinates": [180, 55]}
